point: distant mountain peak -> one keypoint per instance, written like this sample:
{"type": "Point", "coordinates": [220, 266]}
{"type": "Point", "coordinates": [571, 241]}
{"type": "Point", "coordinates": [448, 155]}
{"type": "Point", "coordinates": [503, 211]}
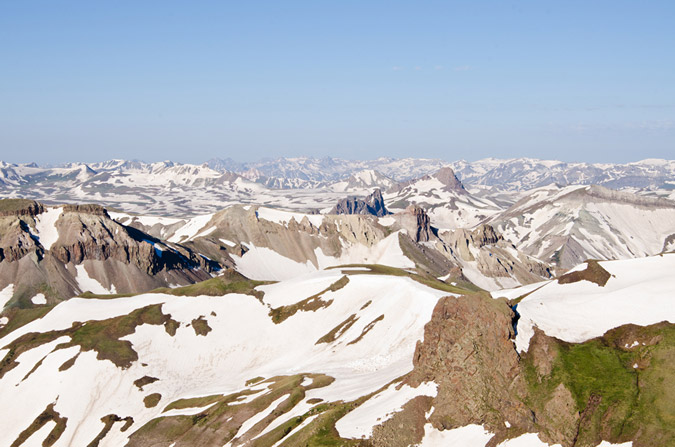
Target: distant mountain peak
{"type": "Point", "coordinates": [447, 176]}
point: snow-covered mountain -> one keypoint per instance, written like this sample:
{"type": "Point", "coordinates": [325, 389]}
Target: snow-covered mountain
{"type": "Point", "coordinates": [303, 362]}
{"type": "Point", "coordinates": [447, 202]}
{"type": "Point", "coordinates": [568, 225]}
{"type": "Point", "coordinates": [308, 183]}
{"type": "Point", "coordinates": [523, 174]}
{"type": "Point", "coordinates": [252, 325]}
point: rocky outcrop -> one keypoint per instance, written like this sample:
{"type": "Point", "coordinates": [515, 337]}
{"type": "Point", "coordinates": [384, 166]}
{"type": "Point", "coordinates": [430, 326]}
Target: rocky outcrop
{"type": "Point", "coordinates": [17, 242]}
{"type": "Point", "coordinates": [416, 221]}
{"type": "Point", "coordinates": [93, 209]}
{"type": "Point", "coordinates": [120, 258]}
{"type": "Point", "coordinates": [493, 256]}
{"type": "Point", "coordinates": [449, 179]}
{"type": "Point", "coordinates": [19, 207]}
{"type": "Point", "coordinates": [468, 351]}
{"type": "Point", "coordinates": [373, 205]}
{"type": "Point", "coordinates": [444, 175]}
{"type": "Point", "coordinates": [485, 235]}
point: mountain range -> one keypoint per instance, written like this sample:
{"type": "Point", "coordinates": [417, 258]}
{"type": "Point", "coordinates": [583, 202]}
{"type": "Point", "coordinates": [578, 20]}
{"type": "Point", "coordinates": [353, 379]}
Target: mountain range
{"type": "Point", "coordinates": [326, 302]}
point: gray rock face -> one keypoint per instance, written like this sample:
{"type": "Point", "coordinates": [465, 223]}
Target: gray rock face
{"type": "Point", "coordinates": [449, 179]}
{"type": "Point", "coordinates": [422, 225]}
{"type": "Point", "coordinates": [373, 205]}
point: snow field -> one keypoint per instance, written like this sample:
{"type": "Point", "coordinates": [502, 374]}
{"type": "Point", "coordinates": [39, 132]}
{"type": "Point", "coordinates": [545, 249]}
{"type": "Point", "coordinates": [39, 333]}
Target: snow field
{"type": "Point", "coordinates": [88, 284]}
{"type": "Point", "coordinates": [263, 263]}
{"type": "Point", "coordinates": [244, 343]}
{"type": "Point", "coordinates": [639, 292]}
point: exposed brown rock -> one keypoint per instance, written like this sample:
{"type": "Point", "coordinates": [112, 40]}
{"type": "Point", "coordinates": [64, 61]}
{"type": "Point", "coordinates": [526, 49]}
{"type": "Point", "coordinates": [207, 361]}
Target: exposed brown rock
{"type": "Point", "coordinates": [593, 273]}
{"type": "Point", "coordinates": [468, 351]}
{"type": "Point", "coordinates": [20, 207]}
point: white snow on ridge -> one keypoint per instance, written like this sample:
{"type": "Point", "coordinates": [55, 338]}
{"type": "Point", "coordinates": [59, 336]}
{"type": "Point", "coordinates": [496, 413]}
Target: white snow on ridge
{"type": "Point", "coordinates": [284, 217]}
{"type": "Point", "coordinates": [191, 228]}
{"type": "Point", "coordinates": [262, 263]}
{"type": "Point", "coordinates": [45, 226]}
{"type": "Point", "coordinates": [639, 292]}
{"type": "Point", "coordinates": [386, 252]}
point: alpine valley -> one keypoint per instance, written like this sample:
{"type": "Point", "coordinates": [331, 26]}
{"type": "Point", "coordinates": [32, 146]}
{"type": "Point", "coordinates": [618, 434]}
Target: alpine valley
{"type": "Point", "coordinates": [331, 302]}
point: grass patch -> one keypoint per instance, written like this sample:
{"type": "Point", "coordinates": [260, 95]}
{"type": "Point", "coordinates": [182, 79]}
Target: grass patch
{"type": "Point", "coordinates": [19, 317]}
{"type": "Point", "coordinates": [145, 380]}
{"type": "Point", "coordinates": [338, 330]}
{"type": "Point", "coordinates": [313, 303]}
{"type": "Point", "coordinates": [621, 392]}
{"type": "Point", "coordinates": [151, 400]}
{"type": "Point", "coordinates": [254, 380]}
{"type": "Point", "coordinates": [108, 422]}
{"type": "Point", "coordinates": [48, 415]}
{"type": "Point", "coordinates": [101, 336]}
{"type": "Point", "coordinates": [427, 280]}
{"type": "Point", "coordinates": [366, 329]}
{"type": "Point", "coordinates": [229, 282]}
{"type": "Point", "coordinates": [221, 421]}
{"type": "Point", "coordinates": [194, 402]}
{"type": "Point", "coordinates": [201, 326]}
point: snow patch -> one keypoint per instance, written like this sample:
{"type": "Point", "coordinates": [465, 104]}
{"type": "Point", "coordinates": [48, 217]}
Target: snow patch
{"type": "Point", "coordinates": [88, 284]}
{"type": "Point", "coordinates": [39, 299]}
{"type": "Point", "coordinates": [6, 295]}
{"type": "Point", "coordinates": [45, 226]}
{"type": "Point", "coordinates": [360, 422]}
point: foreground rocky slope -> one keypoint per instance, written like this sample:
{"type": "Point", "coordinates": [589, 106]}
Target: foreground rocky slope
{"type": "Point", "coordinates": [301, 362]}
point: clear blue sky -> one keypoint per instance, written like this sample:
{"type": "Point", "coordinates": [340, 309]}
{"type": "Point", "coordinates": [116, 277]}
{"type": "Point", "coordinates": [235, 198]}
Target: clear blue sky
{"type": "Point", "coordinates": [573, 80]}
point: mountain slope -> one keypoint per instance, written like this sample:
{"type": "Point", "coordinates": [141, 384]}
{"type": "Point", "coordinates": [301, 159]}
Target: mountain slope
{"type": "Point", "coordinates": [569, 225]}
{"type": "Point", "coordinates": [48, 254]}
{"type": "Point", "coordinates": [444, 197]}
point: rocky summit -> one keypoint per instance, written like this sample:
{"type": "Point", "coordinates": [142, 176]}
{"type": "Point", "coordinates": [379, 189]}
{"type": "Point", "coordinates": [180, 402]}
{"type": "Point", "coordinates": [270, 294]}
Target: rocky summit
{"type": "Point", "coordinates": [327, 302]}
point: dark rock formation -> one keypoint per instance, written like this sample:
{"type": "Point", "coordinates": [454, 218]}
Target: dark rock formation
{"type": "Point", "coordinates": [373, 204]}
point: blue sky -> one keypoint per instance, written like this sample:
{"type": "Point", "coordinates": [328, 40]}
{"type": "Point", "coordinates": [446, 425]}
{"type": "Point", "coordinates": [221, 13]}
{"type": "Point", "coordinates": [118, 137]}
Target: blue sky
{"type": "Point", "coordinates": [188, 81]}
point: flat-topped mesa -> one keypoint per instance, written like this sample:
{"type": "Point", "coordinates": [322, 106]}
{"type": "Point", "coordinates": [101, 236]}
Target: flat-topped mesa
{"type": "Point", "coordinates": [373, 205]}
{"type": "Point", "coordinates": [93, 209]}
{"type": "Point", "coordinates": [20, 207]}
